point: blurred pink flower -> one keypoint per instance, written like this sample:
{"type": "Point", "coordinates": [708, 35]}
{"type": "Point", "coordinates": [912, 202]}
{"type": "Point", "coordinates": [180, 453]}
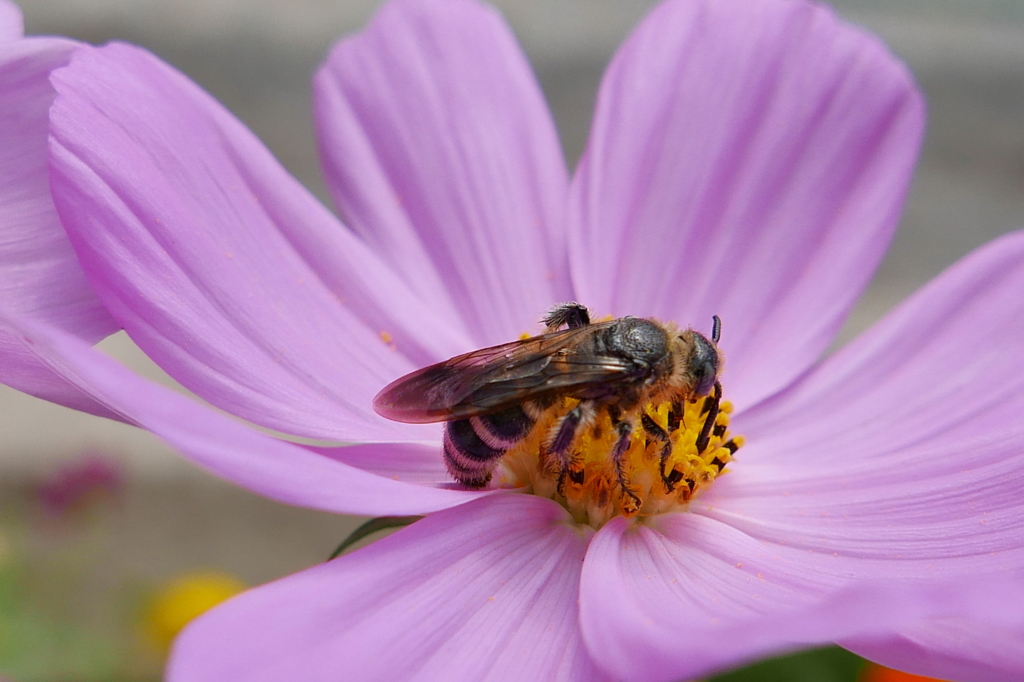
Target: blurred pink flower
{"type": "Point", "coordinates": [79, 482]}
{"type": "Point", "coordinates": [747, 158]}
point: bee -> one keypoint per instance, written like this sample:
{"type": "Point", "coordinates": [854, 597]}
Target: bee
{"type": "Point", "coordinates": [491, 399]}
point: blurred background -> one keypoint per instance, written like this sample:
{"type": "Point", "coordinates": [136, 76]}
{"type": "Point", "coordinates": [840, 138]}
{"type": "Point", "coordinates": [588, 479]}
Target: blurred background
{"type": "Point", "coordinates": [108, 541]}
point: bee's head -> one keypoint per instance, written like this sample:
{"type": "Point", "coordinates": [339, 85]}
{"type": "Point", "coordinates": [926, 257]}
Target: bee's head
{"type": "Point", "coordinates": [704, 363]}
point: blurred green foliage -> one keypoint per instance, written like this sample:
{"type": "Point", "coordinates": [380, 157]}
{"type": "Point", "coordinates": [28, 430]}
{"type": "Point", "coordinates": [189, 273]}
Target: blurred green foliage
{"type": "Point", "coordinates": [38, 645]}
{"type": "Point", "coordinates": [830, 664]}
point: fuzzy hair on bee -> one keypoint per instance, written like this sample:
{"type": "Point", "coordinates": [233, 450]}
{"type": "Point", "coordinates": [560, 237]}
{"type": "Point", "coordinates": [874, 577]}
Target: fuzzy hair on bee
{"type": "Point", "coordinates": [492, 399]}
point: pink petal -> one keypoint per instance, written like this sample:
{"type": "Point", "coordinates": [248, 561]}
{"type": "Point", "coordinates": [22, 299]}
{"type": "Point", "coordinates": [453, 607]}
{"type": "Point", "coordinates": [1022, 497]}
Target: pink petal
{"type": "Point", "coordinates": [929, 511]}
{"type": "Point", "coordinates": [908, 442]}
{"type": "Point", "coordinates": [483, 592]}
{"type": "Point", "coordinates": [903, 454]}
{"type": "Point", "coordinates": [282, 471]}
{"type": "Point", "coordinates": [420, 463]}
{"type": "Point", "coordinates": [22, 370]}
{"type": "Point", "coordinates": [977, 651]}
{"type": "Point", "coordinates": [39, 274]}
{"type": "Point", "coordinates": [748, 160]}
{"type": "Point", "coordinates": [440, 151]}
{"type": "Point", "coordinates": [11, 27]}
{"type": "Point", "coordinates": [948, 361]}
{"type": "Point", "coordinates": [221, 266]}
{"type": "Point", "coordinates": [690, 596]}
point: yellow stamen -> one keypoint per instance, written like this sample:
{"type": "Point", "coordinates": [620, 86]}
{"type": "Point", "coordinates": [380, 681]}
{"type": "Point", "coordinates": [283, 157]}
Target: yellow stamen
{"type": "Point", "coordinates": [657, 481]}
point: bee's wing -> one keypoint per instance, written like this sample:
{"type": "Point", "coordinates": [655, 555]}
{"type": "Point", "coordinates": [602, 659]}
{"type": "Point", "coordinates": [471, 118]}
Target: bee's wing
{"type": "Point", "coordinates": [491, 379]}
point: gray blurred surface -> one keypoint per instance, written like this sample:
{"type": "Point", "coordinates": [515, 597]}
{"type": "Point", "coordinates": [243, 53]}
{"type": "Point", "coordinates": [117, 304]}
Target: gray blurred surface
{"type": "Point", "coordinates": [257, 57]}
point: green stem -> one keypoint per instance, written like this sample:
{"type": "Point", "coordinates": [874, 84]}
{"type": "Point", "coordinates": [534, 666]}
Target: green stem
{"type": "Point", "coordinates": [373, 526]}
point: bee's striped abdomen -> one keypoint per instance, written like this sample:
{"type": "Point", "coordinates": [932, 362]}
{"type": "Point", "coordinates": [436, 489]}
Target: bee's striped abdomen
{"type": "Point", "coordinates": [503, 429]}
{"type": "Point", "coordinates": [472, 446]}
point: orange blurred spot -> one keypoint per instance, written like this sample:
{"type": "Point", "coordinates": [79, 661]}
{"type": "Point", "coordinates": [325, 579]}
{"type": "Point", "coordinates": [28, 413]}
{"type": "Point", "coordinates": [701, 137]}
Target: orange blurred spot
{"type": "Point", "coordinates": [877, 673]}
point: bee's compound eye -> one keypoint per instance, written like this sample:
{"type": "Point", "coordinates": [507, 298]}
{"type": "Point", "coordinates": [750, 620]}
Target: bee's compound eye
{"type": "Point", "coordinates": [706, 378]}
{"type": "Point", "coordinates": [704, 365]}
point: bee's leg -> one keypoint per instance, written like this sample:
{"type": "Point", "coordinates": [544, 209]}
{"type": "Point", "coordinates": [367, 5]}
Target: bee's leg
{"type": "Point", "coordinates": [560, 447]}
{"type": "Point", "coordinates": [571, 314]}
{"type": "Point", "coordinates": [625, 430]}
{"type": "Point", "coordinates": [711, 404]}
{"type": "Point", "coordinates": [675, 416]}
{"type": "Point", "coordinates": [661, 435]}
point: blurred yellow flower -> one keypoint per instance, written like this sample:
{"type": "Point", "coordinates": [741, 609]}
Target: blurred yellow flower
{"type": "Point", "coordinates": [184, 598]}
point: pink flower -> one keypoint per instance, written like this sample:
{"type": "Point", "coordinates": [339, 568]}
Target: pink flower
{"type": "Point", "coordinates": [748, 158]}
{"type": "Point", "coordinates": [78, 482]}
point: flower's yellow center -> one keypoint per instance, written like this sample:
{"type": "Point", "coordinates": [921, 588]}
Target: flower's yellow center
{"type": "Point", "coordinates": [659, 477]}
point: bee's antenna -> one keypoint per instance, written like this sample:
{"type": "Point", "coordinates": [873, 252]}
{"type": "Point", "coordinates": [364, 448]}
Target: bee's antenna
{"type": "Point", "coordinates": [716, 328]}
